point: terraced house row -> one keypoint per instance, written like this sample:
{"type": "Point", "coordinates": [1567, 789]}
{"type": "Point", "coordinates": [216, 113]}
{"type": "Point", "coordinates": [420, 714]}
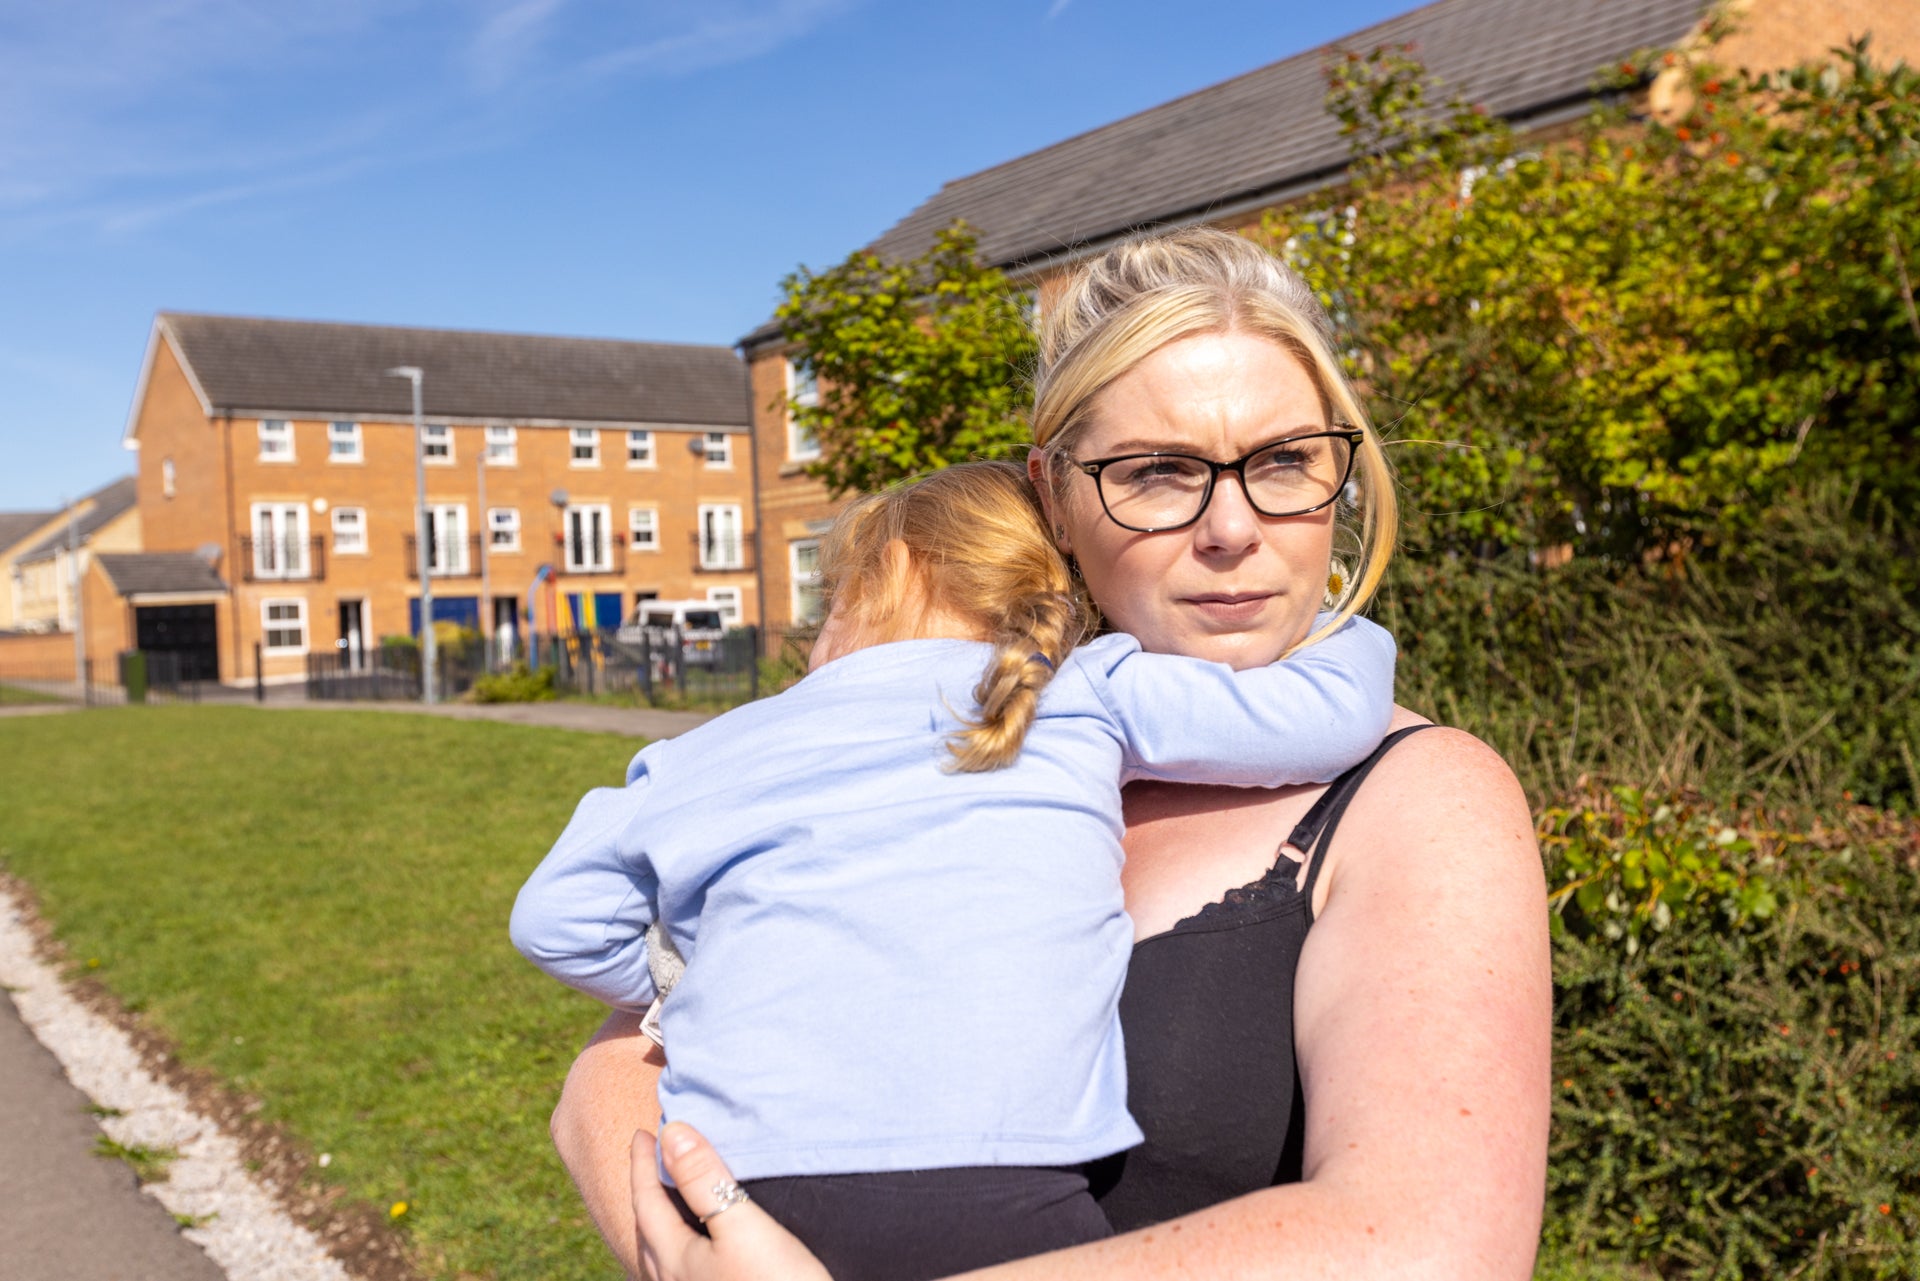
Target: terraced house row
{"type": "Point", "coordinates": [565, 480]}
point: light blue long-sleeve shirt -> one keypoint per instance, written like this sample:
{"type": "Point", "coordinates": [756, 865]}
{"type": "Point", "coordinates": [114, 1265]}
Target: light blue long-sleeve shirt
{"type": "Point", "coordinates": [891, 966]}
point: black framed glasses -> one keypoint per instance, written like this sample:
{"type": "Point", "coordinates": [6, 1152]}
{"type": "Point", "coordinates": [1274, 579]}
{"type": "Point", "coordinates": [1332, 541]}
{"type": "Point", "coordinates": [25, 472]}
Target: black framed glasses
{"type": "Point", "coordinates": [1156, 492]}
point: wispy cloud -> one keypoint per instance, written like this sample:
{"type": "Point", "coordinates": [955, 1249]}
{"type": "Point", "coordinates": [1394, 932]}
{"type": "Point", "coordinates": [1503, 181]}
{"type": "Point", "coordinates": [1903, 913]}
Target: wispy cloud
{"type": "Point", "coordinates": [508, 40]}
{"type": "Point", "coordinates": [121, 114]}
{"type": "Point", "coordinates": [1057, 8]}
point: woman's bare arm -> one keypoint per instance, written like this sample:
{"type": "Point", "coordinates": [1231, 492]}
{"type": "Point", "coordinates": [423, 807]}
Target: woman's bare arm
{"type": "Point", "coordinates": [1422, 1020]}
{"type": "Point", "coordinates": [611, 1091]}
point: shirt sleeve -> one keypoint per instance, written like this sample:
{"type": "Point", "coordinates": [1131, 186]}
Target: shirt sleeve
{"type": "Point", "coordinates": [582, 916]}
{"type": "Point", "coordinates": [1306, 719]}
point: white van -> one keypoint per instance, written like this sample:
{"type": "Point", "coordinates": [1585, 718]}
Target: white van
{"type": "Point", "coordinates": [700, 622]}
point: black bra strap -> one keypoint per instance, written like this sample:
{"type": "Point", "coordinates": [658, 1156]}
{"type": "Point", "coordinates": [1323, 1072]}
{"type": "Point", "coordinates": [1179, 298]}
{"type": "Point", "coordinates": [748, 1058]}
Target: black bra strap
{"type": "Point", "coordinates": [1316, 830]}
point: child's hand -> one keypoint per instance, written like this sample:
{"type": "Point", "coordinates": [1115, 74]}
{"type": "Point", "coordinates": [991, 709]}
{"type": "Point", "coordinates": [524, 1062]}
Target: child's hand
{"type": "Point", "coordinates": [743, 1243]}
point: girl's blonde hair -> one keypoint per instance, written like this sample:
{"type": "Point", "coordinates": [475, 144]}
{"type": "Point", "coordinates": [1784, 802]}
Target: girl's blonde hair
{"type": "Point", "coordinates": [1119, 308]}
{"type": "Point", "coordinates": [976, 548]}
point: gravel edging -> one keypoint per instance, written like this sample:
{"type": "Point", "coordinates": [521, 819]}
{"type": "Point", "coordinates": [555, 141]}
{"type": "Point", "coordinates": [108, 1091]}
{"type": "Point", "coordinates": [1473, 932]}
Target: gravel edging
{"type": "Point", "coordinates": [238, 1222]}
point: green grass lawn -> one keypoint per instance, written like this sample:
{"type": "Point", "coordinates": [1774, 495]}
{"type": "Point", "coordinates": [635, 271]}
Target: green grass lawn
{"type": "Point", "coordinates": [14, 696]}
{"type": "Point", "coordinates": [314, 905]}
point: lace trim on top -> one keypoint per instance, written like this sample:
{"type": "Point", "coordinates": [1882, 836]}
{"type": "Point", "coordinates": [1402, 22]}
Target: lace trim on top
{"type": "Point", "coordinates": [1274, 889]}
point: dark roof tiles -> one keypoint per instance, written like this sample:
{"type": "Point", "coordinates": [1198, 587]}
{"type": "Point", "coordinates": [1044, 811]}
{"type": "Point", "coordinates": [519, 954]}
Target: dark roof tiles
{"type": "Point", "coordinates": [109, 501]}
{"type": "Point", "coordinates": [1261, 133]}
{"type": "Point", "coordinates": [15, 526]}
{"type": "Point", "coordinates": [157, 573]}
{"type": "Point", "coordinates": [245, 364]}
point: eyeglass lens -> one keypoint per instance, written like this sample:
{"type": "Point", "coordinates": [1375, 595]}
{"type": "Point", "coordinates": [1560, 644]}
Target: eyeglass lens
{"type": "Point", "coordinates": [1156, 491]}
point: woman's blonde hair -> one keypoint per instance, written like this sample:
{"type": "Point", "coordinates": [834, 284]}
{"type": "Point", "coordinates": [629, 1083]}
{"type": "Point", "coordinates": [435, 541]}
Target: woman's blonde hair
{"type": "Point", "coordinates": [975, 548]}
{"type": "Point", "coordinates": [1132, 300]}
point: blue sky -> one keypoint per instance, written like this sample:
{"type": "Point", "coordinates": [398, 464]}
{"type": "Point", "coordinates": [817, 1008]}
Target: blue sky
{"type": "Point", "coordinates": [647, 169]}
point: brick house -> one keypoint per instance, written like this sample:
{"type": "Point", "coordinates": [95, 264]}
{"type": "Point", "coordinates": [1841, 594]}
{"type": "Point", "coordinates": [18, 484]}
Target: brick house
{"type": "Point", "coordinates": [566, 479]}
{"type": "Point", "coordinates": [1228, 153]}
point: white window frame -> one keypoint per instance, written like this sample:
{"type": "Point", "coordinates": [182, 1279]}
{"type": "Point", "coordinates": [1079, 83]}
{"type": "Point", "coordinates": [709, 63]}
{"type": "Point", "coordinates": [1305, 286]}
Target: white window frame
{"type": "Point", "coordinates": [643, 521]}
{"type": "Point", "coordinates": [717, 550]}
{"type": "Point", "coordinates": [640, 442]}
{"type": "Point", "coordinates": [587, 438]}
{"type": "Point", "coordinates": [728, 599]}
{"type": "Point", "coordinates": [447, 553]}
{"type": "Point", "coordinates": [167, 478]}
{"type": "Point", "coordinates": [718, 450]}
{"type": "Point", "coordinates": [437, 436]}
{"type": "Point", "coordinates": [583, 513]}
{"type": "Point", "coordinates": [502, 446]}
{"type": "Point", "coordinates": [268, 625]}
{"type": "Point", "coordinates": [800, 581]}
{"type": "Point", "coordinates": [803, 389]}
{"type": "Point", "coordinates": [274, 433]}
{"type": "Point", "coordinates": [358, 545]}
{"type": "Point", "coordinates": [351, 436]}
{"type": "Point", "coordinates": [503, 520]}
{"type": "Point", "coordinates": [283, 553]}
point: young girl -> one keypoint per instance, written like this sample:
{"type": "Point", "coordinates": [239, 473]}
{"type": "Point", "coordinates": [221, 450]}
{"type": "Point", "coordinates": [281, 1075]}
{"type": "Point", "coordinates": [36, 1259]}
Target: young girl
{"type": "Point", "coordinates": [897, 885]}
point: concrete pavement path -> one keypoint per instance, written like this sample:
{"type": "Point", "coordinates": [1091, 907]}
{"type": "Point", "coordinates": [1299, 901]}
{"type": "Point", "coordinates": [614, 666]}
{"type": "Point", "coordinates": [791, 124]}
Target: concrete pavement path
{"type": "Point", "coordinates": [645, 722]}
{"type": "Point", "coordinates": [66, 1214]}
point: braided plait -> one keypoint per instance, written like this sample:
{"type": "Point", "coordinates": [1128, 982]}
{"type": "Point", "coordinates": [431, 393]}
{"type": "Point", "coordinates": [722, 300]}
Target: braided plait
{"type": "Point", "coordinates": [1036, 634]}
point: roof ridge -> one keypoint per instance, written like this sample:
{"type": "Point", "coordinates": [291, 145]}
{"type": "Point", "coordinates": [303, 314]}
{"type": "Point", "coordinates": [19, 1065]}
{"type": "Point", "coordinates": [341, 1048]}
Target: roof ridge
{"type": "Point", "coordinates": [167, 314]}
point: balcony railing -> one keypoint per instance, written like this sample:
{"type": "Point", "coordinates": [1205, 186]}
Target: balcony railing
{"type": "Point", "coordinates": [721, 555]}
{"type": "Point", "coordinates": [447, 558]}
{"type": "Point", "coordinates": [614, 564]}
{"type": "Point", "coordinates": [272, 560]}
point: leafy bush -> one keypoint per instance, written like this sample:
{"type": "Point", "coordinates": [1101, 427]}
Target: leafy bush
{"type": "Point", "coordinates": [1783, 665]}
{"type": "Point", "coordinates": [1740, 1097]}
{"type": "Point", "coordinates": [518, 684]}
{"type": "Point", "coordinates": [1630, 868]}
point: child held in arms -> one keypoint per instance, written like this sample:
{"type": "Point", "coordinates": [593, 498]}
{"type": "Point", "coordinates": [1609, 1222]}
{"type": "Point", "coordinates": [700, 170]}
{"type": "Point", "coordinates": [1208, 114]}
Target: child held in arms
{"type": "Point", "coordinates": [896, 886]}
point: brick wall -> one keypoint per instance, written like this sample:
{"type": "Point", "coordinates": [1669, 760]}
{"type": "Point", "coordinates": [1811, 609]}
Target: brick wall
{"type": "Point", "coordinates": [793, 505]}
{"type": "Point", "coordinates": [44, 656]}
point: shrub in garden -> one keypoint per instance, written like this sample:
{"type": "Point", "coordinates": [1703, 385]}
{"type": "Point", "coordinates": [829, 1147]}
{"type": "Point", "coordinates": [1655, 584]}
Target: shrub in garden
{"type": "Point", "coordinates": [518, 684]}
{"type": "Point", "coordinates": [1736, 1089]}
{"type": "Point", "coordinates": [1783, 663]}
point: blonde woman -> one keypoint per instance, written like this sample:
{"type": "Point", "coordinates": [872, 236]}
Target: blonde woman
{"type": "Point", "coordinates": [846, 866]}
{"type": "Point", "coordinates": [1337, 1009]}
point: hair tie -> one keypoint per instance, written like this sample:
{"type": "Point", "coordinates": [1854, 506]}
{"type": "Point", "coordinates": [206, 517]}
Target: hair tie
{"type": "Point", "coordinates": [1037, 656]}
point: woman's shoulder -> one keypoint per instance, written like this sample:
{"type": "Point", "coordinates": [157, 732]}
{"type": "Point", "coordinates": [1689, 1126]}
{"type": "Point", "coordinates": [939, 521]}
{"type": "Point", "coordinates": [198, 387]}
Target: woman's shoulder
{"type": "Point", "coordinates": [1439, 801]}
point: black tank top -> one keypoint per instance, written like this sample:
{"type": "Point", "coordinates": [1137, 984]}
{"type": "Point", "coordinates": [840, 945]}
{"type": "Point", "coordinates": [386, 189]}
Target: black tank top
{"type": "Point", "coordinates": [1207, 1012]}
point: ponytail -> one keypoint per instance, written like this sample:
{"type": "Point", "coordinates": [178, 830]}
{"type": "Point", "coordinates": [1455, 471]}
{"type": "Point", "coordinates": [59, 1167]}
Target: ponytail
{"type": "Point", "coordinates": [977, 547]}
{"type": "Point", "coordinates": [1038, 632]}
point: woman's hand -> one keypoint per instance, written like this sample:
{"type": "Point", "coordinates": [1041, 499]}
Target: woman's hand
{"type": "Point", "coordinates": [743, 1243]}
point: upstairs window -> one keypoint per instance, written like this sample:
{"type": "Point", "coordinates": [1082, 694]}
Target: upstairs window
{"type": "Point", "coordinates": [803, 391]}
{"type": "Point", "coordinates": [350, 531]}
{"type": "Point", "coordinates": [639, 449]}
{"type": "Point", "coordinates": [502, 447]}
{"type": "Point", "coordinates": [276, 440]}
{"type": "Point", "coordinates": [438, 443]}
{"type": "Point", "coordinates": [721, 543]}
{"type": "Point", "coordinates": [643, 529]}
{"type": "Point", "coordinates": [719, 449]}
{"type": "Point", "coordinates": [343, 442]}
{"type": "Point", "coordinates": [586, 447]}
{"type": "Point", "coordinates": [503, 528]}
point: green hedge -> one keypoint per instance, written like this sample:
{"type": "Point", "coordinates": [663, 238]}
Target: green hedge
{"type": "Point", "coordinates": [1784, 667]}
{"type": "Point", "coordinates": [1737, 1012]}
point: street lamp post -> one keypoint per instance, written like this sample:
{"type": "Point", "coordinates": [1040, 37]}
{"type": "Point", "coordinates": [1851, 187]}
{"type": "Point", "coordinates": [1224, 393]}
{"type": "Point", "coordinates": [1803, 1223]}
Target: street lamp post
{"type": "Point", "coordinates": [424, 532]}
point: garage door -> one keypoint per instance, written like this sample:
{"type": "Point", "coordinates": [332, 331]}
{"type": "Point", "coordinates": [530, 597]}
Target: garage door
{"type": "Point", "coordinates": [184, 630]}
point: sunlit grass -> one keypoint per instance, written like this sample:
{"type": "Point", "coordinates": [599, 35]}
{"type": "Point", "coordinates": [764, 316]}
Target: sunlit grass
{"type": "Point", "coordinates": [314, 905]}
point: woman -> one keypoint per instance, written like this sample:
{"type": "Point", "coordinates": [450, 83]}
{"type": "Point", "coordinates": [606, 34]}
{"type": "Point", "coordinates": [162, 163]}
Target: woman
{"type": "Point", "coordinates": [1369, 1098]}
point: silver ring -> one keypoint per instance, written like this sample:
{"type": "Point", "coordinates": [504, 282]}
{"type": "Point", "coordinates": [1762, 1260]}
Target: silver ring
{"type": "Point", "coordinates": [726, 1195]}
